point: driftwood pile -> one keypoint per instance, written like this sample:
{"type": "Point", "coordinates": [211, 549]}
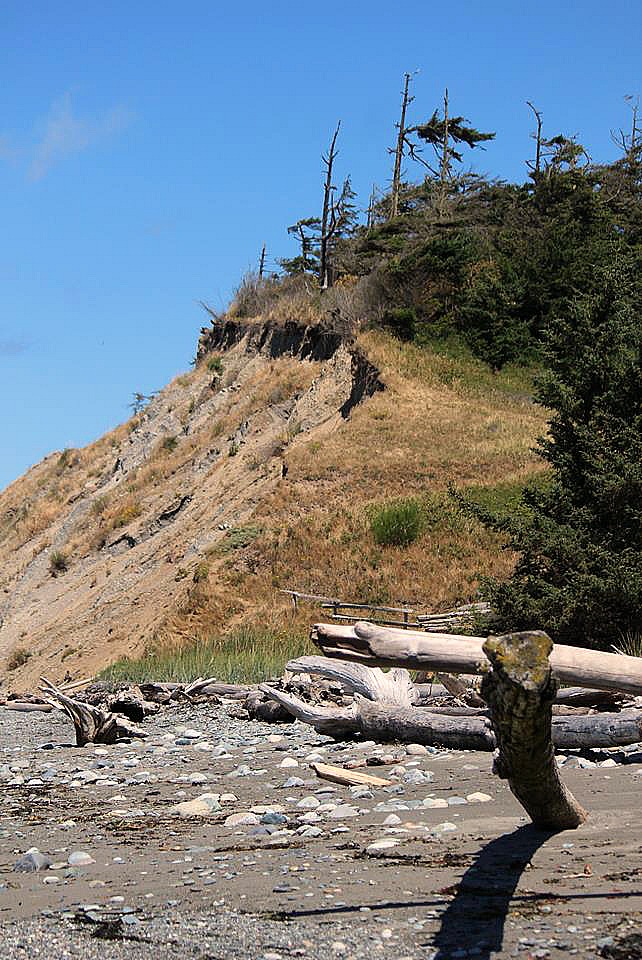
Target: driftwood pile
{"type": "Point", "coordinates": [517, 710]}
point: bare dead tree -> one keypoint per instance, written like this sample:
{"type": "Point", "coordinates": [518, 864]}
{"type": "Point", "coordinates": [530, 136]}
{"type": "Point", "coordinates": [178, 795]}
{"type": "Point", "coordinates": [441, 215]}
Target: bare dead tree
{"type": "Point", "coordinates": [399, 149]}
{"type": "Point", "coordinates": [328, 207]}
{"type": "Point", "coordinates": [372, 202]}
{"type": "Point", "coordinates": [536, 167]}
{"type": "Point", "coordinates": [630, 143]}
{"type": "Point", "coordinates": [444, 167]}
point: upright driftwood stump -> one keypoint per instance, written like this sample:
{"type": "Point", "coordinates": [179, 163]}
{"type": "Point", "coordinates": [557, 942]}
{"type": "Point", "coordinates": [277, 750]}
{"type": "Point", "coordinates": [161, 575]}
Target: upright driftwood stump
{"type": "Point", "coordinates": [92, 725]}
{"type": "Point", "coordinates": [520, 690]}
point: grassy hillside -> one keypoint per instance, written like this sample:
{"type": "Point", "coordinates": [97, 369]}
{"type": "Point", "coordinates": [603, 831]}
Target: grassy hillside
{"type": "Point", "coordinates": [242, 478]}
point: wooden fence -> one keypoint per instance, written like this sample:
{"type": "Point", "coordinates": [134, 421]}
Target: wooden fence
{"type": "Point", "coordinates": [406, 618]}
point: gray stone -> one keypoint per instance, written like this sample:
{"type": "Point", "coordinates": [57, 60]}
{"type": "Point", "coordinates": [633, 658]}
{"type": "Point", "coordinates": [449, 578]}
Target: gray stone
{"type": "Point", "coordinates": [32, 861]}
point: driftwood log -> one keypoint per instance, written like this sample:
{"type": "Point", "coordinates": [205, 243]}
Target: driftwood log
{"type": "Point", "coordinates": [92, 725]}
{"type": "Point", "coordinates": [395, 686]}
{"type": "Point", "coordinates": [381, 711]}
{"type": "Point", "coordinates": [372, 645]}
{"type": "Point", "coordinates": [520, 690]}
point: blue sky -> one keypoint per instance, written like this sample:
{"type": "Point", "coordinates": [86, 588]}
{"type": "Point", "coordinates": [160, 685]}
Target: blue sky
{"type": "Point", "coordinates": [148, 149]}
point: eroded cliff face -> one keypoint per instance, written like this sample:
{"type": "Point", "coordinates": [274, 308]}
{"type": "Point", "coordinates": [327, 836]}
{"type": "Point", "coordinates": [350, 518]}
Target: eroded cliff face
{"type": "Point", "coordinates": [314, 343]}
{"type": "Point", "coordinates": [100, 547]}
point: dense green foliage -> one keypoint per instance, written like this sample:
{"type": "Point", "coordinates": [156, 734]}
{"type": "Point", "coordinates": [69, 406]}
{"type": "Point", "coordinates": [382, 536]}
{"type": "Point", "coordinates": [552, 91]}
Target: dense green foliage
{"type": "Point", "coordinates": [398, 523]}
{"type": "Point", "coordinates": [579, 537]}
{"type": "Point", "coordinates": [490, 262]}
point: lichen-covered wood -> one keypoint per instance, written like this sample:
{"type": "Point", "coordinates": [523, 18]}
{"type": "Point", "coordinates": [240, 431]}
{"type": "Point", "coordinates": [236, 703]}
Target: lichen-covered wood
{"type": "Point", "coordinates": [520, 690]}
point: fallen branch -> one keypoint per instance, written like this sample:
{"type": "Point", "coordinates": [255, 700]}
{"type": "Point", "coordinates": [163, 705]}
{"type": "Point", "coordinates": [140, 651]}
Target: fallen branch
{"type": "Point", "coordinates": [520, 690]}
{"type": "Point", "coordinates": [23, 706]}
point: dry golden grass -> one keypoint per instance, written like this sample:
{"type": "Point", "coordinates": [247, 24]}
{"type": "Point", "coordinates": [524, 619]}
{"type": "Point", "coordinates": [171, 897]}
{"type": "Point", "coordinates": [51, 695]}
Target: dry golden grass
{"type": "Point", "coordinates": [439, 421]}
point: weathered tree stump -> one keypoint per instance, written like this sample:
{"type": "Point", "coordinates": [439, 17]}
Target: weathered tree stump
{"type": "Point", "coordinates": [520, 690]}
{"type": "Point", "coordinates": [92, 724]}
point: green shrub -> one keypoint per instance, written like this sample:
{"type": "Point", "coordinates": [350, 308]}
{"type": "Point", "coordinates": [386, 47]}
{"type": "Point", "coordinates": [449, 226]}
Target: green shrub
{"type": "Point", "coordinates": [215, 365]}
{"type": "Point", "coordinates": [239, 537]}
{"type": "Point", "coordinates": [201, 571]}
{"type": "Point", "coordinates": [401, 322]}
{"type": "Point", "coordinates": [398, 523]}
{"type": "Point", "coordinates": [169, 444]}
{"type": "Point", "coordinates": [58, 562]}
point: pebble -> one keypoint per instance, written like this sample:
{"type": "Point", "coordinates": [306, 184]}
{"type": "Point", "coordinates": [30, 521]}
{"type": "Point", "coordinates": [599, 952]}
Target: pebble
{"type": "Point", "coordinates": [80, 859]}
{"type": "Point", "coordinates": [203, 806]}
{"type": "Point", "coordinates": [416, 750]}
{"type": "Point", "coordinates": [242, 820]}
{"type": "Point", "coordinates": [478, 797]}
{"type": "Point", "coordinates": [292, 782]}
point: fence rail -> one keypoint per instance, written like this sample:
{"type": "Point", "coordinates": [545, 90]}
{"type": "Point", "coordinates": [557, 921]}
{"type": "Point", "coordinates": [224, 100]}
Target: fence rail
{"type": "Point", "coordinates": [432, 622]}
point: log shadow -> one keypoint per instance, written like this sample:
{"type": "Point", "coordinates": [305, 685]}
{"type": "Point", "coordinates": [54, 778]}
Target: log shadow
{"type": "Point", "coordinates": [475, 918]}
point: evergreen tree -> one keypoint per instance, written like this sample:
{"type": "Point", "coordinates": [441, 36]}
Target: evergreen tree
{"type": "Point", "coordinates": [579, 537]}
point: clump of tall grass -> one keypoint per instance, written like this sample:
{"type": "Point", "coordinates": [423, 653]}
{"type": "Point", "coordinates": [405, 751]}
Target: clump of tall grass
{"type": "Point", "coordinates": [247, 654]}
{"type": "Point", "coordinates": [630, 644]}
{"type": "Point", "coordinates": [398, 523]}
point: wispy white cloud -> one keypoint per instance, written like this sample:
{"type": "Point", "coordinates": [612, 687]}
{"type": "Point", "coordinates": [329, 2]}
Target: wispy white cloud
{"type": "Point", "coordinates": [66, 133]}
{"type": "Point", "coordinates": [62, 134]}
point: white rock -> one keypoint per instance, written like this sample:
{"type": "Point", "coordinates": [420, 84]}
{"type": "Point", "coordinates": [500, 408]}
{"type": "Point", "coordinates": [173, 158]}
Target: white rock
{"type": "Point", "coordinates": [478, 797]}
{"type": "Point", "coordinates": [386, 843]}
{"type": "Point", "coordinates": [241, 820]}
{"type": "Point", "coordinates": [79, 859]}
{"type": "Point", "coordinates": [289, 762]}
{"type": "Point", "coordinates": [203, 806]}
{"type": "Point", "coordinates": [343, 811]}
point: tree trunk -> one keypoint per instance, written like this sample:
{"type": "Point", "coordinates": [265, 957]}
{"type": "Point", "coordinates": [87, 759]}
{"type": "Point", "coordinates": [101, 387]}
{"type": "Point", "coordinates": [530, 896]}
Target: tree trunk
{"type": "Point", "coordinates": [520, 690]}
{"type": "Point", "coordinates": [444, 168]}
{"type": "Point", "coordinates": [451, 653]}
{"type": "Point", "coordinates": [385, 722]}
{"type": "Point", "coordinates": [325, 217]}
{"type": "Point", "coordinates": [401, 138]}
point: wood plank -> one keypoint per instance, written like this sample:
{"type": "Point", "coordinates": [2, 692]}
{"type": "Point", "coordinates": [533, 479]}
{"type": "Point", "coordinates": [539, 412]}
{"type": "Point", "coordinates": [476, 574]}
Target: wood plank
{"type": "Point", "coordinates": [349, 778]}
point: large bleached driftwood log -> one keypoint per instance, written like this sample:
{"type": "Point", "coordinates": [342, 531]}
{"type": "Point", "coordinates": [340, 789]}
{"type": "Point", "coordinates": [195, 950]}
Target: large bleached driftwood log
{"type": "Point", "coordinates": [520, 690]}
{"type": "Point", "coordinates": [452, 653]}
{"type": "Point", "coordinates": [92, 724]}
{"type": "Point", "coordinates": [379, 717]}
{"type": "Point", "coordinates": [395, 686]}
